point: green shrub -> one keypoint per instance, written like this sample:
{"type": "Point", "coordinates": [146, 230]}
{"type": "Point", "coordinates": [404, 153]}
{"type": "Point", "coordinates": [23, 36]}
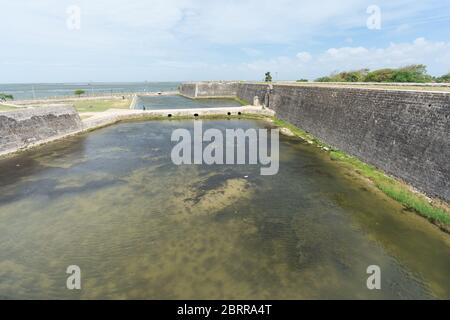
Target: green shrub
{"type": "Point", "coordinates": [444, 79]}
{"type": "Point", "coordinates": [382, 75]}
{"type": "Point", "coordinates": [347, 76]}
{"type": "Point", "coordinates": [324, 79]}
{"type": "Point", "coordinates": [413, 73]}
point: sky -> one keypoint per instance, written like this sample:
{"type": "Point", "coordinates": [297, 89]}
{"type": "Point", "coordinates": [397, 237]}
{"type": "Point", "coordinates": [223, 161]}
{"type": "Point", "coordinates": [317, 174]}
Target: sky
{"type": "Point", "coordinates": [181, 40]}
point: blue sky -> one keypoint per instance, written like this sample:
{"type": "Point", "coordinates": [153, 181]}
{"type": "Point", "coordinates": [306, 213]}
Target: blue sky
{"type": "Point", "coordinates": [173, 40]}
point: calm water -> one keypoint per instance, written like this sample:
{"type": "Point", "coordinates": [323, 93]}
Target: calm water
{"type": "Point", "coordinates": [50, 90]}
{"type": "Point", "coordinates": [139, 227]}
{"type": "Point", "coordinates": [179, 102]}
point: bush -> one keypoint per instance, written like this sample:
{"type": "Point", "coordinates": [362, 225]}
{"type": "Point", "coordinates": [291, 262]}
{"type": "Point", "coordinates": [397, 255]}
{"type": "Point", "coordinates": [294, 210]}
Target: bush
{"type": "Point", "coordinates": [324, 79]}
{"type": "Point", "coordinates": [444, 79]}
{"type": "Point", "coordinates": [354, 76]}
{"type": "Point", "coordinates": [347, 76]}
{"type": "Point", "coordinates": [382, 75]}
{"type": "Point", "coordinates": [413, 73]}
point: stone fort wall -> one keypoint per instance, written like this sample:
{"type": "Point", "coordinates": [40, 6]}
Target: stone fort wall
{"type": "Point", "coordinates": [404, 133]}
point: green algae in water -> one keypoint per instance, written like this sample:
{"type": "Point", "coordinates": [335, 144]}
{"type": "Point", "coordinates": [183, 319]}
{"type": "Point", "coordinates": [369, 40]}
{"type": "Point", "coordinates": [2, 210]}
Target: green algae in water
{"type": "Point", "coordinates": [140, 227]}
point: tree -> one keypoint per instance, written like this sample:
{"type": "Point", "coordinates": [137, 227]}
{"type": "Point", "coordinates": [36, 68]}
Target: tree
{"type": "Point", "coordinates": [381, 75]}
{"type": "Point", "coordinates": [79, 92]}
{"type": "Point", "coordinates": [412, 73]}
{"type": "Point", "coordinates": [324, 79]}
{"type": "Point", "coordinates": [346, 76]}
{"type": "Point", "coordinates": [4, 97]}
{"type": "Point", "coordinates": [354, 76]}
{"type": "Point", "coordinates": [268, 77]}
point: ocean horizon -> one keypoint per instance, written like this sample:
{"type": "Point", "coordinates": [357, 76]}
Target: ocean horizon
{"type": "Point", "coordinates": [26, 91]}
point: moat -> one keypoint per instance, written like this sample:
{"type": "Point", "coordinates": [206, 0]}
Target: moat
{"type": "Point", "coordinates": [139, 227]}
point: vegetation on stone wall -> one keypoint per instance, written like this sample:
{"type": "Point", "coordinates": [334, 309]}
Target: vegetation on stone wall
{"type": "Point", "coordinates": [444, 79]}
{"type": "Point", "coordinates": [347, 76]}
{"type": "Point", "coordinates": [410, 74]}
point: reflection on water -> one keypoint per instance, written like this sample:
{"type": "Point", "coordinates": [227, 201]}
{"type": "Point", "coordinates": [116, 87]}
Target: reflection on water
{"type": "Point", "coordinates": [179, 102]}
{"type": "Point", "coordinates": [140, 227]}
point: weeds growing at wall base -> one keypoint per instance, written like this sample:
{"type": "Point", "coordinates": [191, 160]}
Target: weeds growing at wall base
{"type": "Point", "coordinates": [391, 187]}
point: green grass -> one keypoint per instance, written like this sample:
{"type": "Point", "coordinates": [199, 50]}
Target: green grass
{"type": "Point", "coordinates": [101, 105]}
{"type": "Point", "coordinates": [299, 132]}
{"type": "Point", "coordinates": [392, 187]}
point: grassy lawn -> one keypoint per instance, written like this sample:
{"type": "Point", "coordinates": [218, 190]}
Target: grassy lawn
{"type": "Point", "coordinates": [101, 105]}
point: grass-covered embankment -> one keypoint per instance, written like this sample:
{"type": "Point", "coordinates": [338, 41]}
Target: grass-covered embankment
{"type": "Point", "coordinates": [242, 102]}
{"type": "Point", "coordinates": [392, 187]}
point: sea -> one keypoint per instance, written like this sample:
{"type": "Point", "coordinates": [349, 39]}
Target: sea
{"type": "Point", "coordinates": [30, 91]}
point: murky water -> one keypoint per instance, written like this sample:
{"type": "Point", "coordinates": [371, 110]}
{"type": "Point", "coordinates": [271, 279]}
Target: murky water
{"type": "Point", "coordinates": [179, 102]}
{"type": "Point", "coordinates": [140, 227]}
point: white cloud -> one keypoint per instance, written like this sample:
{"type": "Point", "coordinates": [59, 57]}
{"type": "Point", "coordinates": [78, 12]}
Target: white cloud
{"type": "Point", "coordinates": [436, 55]}
{"type": "Point", "coordinates": [251, 52]}
{"type": "Point", "coordinates": [304, 56]}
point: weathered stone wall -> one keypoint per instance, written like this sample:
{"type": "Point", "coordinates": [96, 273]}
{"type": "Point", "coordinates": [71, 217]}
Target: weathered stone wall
{"type": "Point", "coordinates": [217, 89]}
{"type": "Point", "coordinates": [188, 89]}
{"type": "Point", "coordinates": [248, 92]}
{"type": "Point", "coordinates": [21, 128]}
{"type": "Point", "coordinates": [209, 89]}
{"type": "Point", "coordinates": [404, 133]}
